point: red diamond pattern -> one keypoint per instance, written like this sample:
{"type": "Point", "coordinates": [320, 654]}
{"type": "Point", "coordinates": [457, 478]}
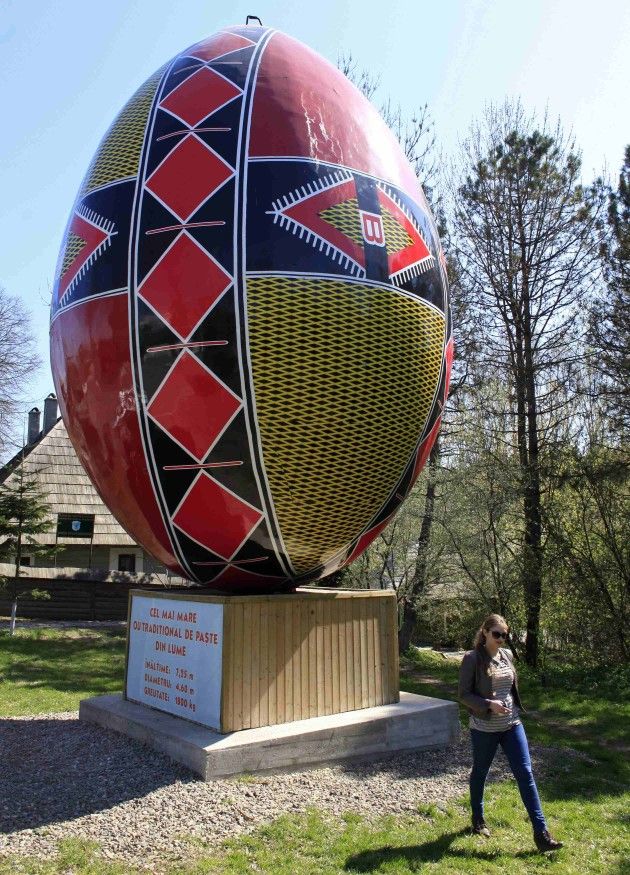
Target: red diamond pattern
{"type": "Point", "coordinates": [188, 176]}
{"type": "Point", "coordinates": [216, 518]}
{"type": "Point", "coordinates": [184, 285]}
{"type": "Point", "coordinates": [175, 406]}
{"type": "Point", "coordinates": [219, 44]}
{"type": "Point", "coordinates": [199, 96]}
{"type": "Point", "coordinates": [93, 238]}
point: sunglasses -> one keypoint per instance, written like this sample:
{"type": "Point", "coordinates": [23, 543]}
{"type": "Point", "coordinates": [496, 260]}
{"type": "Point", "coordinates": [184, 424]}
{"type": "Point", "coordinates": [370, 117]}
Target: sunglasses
{"type": "Point", "coordinates": [499, 635]}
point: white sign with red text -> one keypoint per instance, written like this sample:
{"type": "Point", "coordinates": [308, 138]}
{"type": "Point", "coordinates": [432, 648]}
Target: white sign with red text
{"type": "Point", "coordinates": [174, 660]}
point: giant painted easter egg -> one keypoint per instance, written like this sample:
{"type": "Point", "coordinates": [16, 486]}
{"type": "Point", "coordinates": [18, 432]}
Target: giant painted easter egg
{"type": "Point", "coordinates": [250, 330]}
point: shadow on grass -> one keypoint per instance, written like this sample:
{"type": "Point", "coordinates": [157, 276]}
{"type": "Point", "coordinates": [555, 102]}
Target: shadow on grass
{"type": "Point", "coordinates": [427, 852]}
{"type": "Point", "coordinates": [65, 665]}
{"type": "Point", "coordinates": [554, 699]}
{"type": "Point", "coordinates": [588, 782]}
{"type": "Point", "coordinates": [57, 770]}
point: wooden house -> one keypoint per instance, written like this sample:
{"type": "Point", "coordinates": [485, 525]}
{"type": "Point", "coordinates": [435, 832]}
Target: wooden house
{"type": "Point", "coordinates": [86, 535]}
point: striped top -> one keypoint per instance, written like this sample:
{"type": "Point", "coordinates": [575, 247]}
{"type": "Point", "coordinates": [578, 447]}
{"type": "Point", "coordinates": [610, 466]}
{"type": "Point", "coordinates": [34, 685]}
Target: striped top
{"type": "Point", "coordinates": [502, 680]}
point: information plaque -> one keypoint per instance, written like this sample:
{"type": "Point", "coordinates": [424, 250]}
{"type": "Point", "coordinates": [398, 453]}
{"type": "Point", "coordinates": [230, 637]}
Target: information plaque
{"type": "Point", "coordinates": [174, 660]}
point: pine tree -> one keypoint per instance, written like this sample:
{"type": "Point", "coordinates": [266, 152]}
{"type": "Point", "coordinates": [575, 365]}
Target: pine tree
{"type": "Point", "coordinates": [24, 514]}
{"type": "Point", "coordinates": [610, 319]}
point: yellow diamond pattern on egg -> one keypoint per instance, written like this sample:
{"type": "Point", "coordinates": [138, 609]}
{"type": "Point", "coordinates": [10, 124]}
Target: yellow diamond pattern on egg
{"type": "Point", "coordinates": [344, 377]}
{"type": "Point", "coordinates": [118, 155]}
{"type": "Point", "coordinates": [74, 245]}
{"type": "Point", "coordinates": [345, 218]}
{"type": "Point", "coordinates": [396, 238]}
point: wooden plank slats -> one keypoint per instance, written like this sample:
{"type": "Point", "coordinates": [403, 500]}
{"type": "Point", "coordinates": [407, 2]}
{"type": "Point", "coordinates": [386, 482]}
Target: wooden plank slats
{"type": "Point", "coordinates": [247, 665]}
{"type": "Point", "coordinates": [263, 667]}
{"type": "Point", "coordinates": [255, 670]}
{"type": "Point", "coordinates": [341, 639]}
{"type": "Point", "coordinates": [377, 626]}
{"type": "Point", "coordinates": [312, 659]}
{"type": "Point", "coordinates": [371, 654]}
{"type": "Point", "coordinates": [304, 661]}
{"type": "Point", "coordinates": [288, 660]}
{"type": "Point", "coordinates": [319, 658]}
{"type": "Point", "coordinates": [296, 660]}
{"type": "Point", "coordinates": [356, 649]}
{"type": "Point", "coordinates": [327, 661]}
{"type": "Point", "coordinates": [334, 656]}
{"type": "Point", "coordinates": [350, 664]}
{"type": "Point", "coordinates": [280, 663]}
{"type": "Point", "coordinates": [272, 664]}
{"type": "Point", "coordinates": [363, 638]}
{"type": "Point", "coordinates": [227, 684]}
{"type": "Point", "coordinates": [237, 655]}
{"type": "Point", "coordinates": [306, 654]}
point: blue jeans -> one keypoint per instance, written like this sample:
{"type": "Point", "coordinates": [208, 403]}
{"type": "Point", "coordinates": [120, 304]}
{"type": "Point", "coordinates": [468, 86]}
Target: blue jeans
{"type": "Point", "coordinates": [514, 743]}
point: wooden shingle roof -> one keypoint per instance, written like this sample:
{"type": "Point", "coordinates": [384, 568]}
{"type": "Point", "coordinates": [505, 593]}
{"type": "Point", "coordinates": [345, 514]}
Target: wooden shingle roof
{"type": "Point", "coordinates": [67, 487]}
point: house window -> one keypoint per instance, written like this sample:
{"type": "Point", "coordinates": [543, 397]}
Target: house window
{"type": "Point", "coordinates": [126, 559]}
{"type": "Point", "coordinates": [26, 561]}
{"type": "Point", "coordinates": [127, 562]}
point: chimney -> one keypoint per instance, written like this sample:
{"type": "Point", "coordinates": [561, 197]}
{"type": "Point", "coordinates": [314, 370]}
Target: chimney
{"type": "Point", "coordinates": [33, 425]}
{"type": "Point", "coordinates": [50, 412]}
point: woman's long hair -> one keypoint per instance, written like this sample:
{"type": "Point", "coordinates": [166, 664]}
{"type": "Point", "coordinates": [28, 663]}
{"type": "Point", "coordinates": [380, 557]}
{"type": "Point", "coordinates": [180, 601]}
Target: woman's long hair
{"type": "Point", "coordinates": [490, 621]}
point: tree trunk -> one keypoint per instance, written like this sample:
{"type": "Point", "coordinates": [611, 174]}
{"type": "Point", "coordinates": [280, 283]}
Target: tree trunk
{"type": "Point", "coordinates": [407, 626]}
{"type": "Point", "coordinates": [533, 560]}
{"type": "Point", "coordinates": [419, 580]}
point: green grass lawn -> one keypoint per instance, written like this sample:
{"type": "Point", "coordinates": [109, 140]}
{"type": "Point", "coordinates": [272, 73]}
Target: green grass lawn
{"type": "Point", "coordinates": [47, 670]}
{"type": "Point", "coordinates": [586, 798]}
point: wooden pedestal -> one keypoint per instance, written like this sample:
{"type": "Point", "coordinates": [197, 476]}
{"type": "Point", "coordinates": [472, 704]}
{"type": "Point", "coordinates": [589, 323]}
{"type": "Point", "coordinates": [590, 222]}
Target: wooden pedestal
{"type": "Point", "coordinates": [262, 660]}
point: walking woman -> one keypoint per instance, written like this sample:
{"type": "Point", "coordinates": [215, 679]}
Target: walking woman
{"type": "Point", "coordinates": [488, 688]}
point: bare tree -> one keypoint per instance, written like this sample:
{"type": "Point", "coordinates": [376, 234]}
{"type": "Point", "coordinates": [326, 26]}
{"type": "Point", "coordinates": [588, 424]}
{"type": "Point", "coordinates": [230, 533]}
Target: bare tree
{"type": "Point", "coordinates": [525, 241]}
{"type": "Point", "coordinates": [18, 362]}
{"type": "Point", "coordinates": [415, 133]}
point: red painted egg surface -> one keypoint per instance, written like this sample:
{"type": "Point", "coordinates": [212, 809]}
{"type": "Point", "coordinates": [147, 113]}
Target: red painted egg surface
{"type": "Point", "coordinates": [250, 329]}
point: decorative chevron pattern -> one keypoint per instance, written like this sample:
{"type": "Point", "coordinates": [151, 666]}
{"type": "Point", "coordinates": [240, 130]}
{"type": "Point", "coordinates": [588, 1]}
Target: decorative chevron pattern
{"type": "Point", "coordinates": [89, 235]}
{"type": "Point", "coordinates": [303, 212]}
{"type": "Point", "coordinates": [411, 257]}
{"type": "Point", "coordinates": [74, 245]}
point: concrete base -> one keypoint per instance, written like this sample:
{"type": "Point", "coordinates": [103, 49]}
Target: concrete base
{"type": "Point", "coordinates": [414, 723]}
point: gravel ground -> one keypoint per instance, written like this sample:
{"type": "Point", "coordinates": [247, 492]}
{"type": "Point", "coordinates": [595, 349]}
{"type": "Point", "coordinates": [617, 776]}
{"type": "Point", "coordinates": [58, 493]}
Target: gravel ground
{"type": "Point", "coordinates": [60, 777]}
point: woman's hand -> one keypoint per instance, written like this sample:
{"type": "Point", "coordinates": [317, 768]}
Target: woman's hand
{"type": "Point", "coordinates": [497, 707]}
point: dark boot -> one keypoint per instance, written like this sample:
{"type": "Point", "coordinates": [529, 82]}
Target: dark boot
{"type": "Point", "coordinates": [479, 827]}
{"type": "Point", "coordinates": [544, 842]}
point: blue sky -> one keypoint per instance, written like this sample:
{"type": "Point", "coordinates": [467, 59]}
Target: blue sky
{"type": "Point", "coordinates": [67, 67]}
